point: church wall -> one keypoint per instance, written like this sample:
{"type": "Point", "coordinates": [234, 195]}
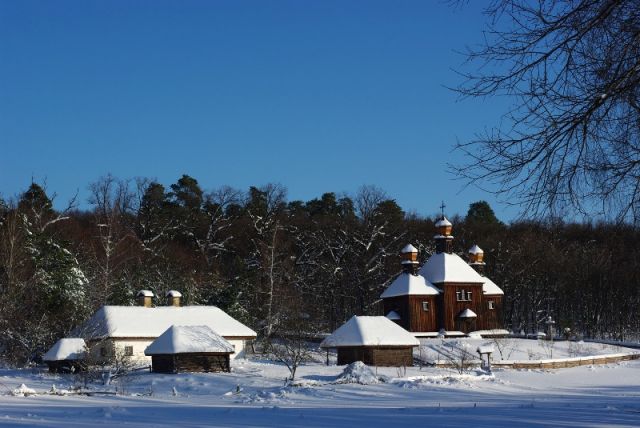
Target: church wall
{"type": "Point", "coordinates": [421, 320]}
{"type": "Point", "coordinates": [399, 304]}
{"type": "Point", "coordinates": [491, 318]}
{"type": "Point", "coordinates": [413, 317]}
{"type": "Point", "coordinates": [452, 307]}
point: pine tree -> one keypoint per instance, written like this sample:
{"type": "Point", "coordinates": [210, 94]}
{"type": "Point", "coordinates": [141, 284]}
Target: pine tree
{"type": "Point", "coordinates": [59, 285]}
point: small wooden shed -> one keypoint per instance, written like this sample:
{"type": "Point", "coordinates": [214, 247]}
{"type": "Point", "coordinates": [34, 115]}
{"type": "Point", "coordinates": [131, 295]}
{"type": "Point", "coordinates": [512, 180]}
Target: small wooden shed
{"type": "Point", "coordinates": [194, 348]}
{"type": "Point", "coordinates": [66, 355]}
{"type": "Point", "coordinates": [376, 341]}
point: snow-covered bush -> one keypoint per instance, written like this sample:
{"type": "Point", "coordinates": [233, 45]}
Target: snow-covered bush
{"type": "Point", "coordinates": [358, 372]}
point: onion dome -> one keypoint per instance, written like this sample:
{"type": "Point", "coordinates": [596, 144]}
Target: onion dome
{"type": "Point", "coordinates": [476, 255]}
{"type": "Point", "coordinates": [444, 227]}
{"type": "Point", "coordinates": [409, 255]}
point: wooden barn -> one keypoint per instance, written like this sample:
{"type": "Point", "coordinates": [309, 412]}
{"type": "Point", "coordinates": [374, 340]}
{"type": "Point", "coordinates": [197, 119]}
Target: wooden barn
{"type": "Point", "coordinates": [66, 355]}
{"type": "Point", "coordinates": [376, 341]}
{"type": "Point", "coordinates": [194, 348]}
{"type": "Point", "coordinates": [444, 292]}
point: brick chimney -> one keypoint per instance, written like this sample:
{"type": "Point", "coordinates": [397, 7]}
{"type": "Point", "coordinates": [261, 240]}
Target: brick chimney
{"type": "Point", "coordinates": [145, 298]}
{"type": "Point", "coordinates": [174, 298]}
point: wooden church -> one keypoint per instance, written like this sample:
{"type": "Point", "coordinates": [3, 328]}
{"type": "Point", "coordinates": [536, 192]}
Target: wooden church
{"type": "Point", "coordinates": [446, 294]}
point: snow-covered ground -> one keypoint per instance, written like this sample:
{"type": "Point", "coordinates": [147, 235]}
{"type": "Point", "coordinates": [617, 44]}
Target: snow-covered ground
{"type": "Point", "coordinates": [509, 349]}
{"type": "Point", "coordinates": [253, 395]}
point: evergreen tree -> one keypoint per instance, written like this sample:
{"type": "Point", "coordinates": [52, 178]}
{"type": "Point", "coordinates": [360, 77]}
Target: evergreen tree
{"type": "Point", "coordinates": [59, 285]}
{"type": "Point", "coordinates": [481, 212]}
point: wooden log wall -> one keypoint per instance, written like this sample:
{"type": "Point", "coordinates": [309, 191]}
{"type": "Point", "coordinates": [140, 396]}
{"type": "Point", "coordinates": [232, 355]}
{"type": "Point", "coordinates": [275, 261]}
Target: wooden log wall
{"type": "Point", "coordinates": [384, 356]}
{"type": "Point", "coordinates": [491, 319]}
{"type": "Point", "coordinates": [65, 366]}
{"type": "Point", "coordinates": [412, 315]}
{"type": "Point", "coordinates": [194, 362]}
{"type": "Point", "coordinates": [452, 307]}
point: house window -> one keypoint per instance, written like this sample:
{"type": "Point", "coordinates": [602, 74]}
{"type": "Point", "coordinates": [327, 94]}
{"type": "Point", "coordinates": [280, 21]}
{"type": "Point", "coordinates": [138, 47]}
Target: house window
{"type": "Point", "coordinates": [103, 351]}
{"type": "Point", "coordinates": [425, 306]}
{"type": "Point", "coordinates": [128, 351]}
{"type": "Point", "coordinates": [463, 296]}
{"type": "Point", "coordinates": [491, 304]}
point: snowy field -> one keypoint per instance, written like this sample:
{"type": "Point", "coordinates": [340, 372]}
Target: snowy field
{"type": "Point", "coordinates": [508, 349]}
{"type": "Point", "coordinates": [253, 395]}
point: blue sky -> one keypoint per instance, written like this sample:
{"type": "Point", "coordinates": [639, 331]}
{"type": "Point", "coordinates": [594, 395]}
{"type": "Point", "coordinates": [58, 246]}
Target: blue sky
{"type": "Point", "coordinates": [316, 95]}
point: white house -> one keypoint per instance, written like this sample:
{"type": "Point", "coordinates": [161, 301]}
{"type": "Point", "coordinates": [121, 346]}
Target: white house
{"type": "Point", "coordinates": [131, 329]}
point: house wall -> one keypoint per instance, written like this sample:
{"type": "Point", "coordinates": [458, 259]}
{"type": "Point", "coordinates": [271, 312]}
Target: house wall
{"type": "Point", "coordinates": [65, 366]}
{"type": "Point", "coordinates": [194, 362]}
{"type": "Point", "coordinates": [139, 345]}
{"type": "Point", "coordinates": [106, 349]}
{"type": "Point", "coordinates": [239, 346]}
{"type": "Point", "coordinates": [386, 356]}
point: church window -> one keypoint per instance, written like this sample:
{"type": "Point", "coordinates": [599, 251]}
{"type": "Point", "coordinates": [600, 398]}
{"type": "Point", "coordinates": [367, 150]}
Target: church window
{"type": "Point", "coordinates": [128, 351]}
{"type": "Point", "coordinates": [463, 296]}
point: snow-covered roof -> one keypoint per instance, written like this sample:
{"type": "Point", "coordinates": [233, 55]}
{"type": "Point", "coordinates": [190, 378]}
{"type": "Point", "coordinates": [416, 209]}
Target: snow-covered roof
{"type": "Point", "coordinates": [409, 249]}
{"type": "Point", "coordinates": [467, 313]}
{"type": "Point", "coordinates": [369, 331]}
{"type": "Point", "coordinates": [490, 287]}
{"type": "Point", "coordinates": [71, 348]}
{"type": "Point", "coordinates": [485, 349]}
{"type": "Point", "coordinates": [475, 250]}
{"type": "Point", "coordinates": [445, 267]}
{"type": "Point", "coordinates": [145, 293]}
{"type": "Point", "coordinates": [173, 293]}
{"type": "Point", "coordinates": [443, 222]}
{"type": "Point", "coordinates": [182, 339]}
{"type": "Point", "coordinates": [138, 321]}
{"type": "Point", "coordinates": [407, 284]}
{"type": "Point", "coordinates": [393, 316]}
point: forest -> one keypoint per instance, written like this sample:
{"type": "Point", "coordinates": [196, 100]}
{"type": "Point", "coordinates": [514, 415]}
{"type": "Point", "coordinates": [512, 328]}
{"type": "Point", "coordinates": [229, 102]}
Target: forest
{"type": "Point", "coordinates": [267, 260]}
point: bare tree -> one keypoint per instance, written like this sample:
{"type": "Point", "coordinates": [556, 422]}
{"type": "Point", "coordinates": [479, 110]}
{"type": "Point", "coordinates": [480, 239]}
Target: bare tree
{"type": "Point", "coordinates": [459, 356]}
{"type": "Point", "coordinates": [367, 200]}
{"type": "Point", "coordinates": [216, 205]}
{"type": "Point", "coordinates": [265, 210]}
{"type": "Point", "coordinates": [289, 344]}
{"type": "Point", "coordinates": [11, 248]}
{"type": "Point", "coordinates": [113, 203]}
{"type": "Point", "coordinates": [570, 141]}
